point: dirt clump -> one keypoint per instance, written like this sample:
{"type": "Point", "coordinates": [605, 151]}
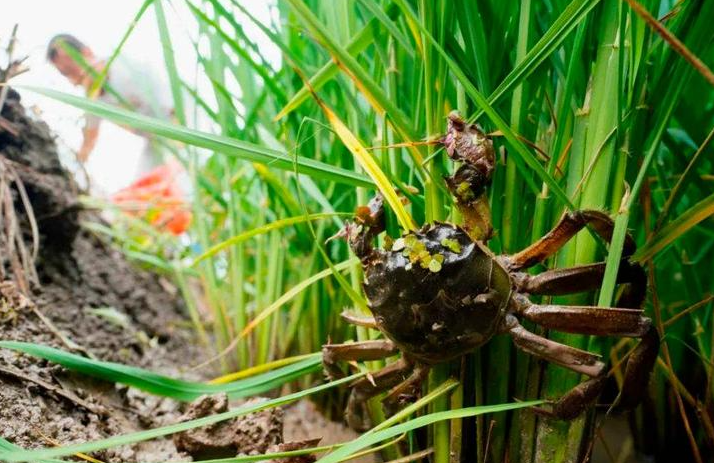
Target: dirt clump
{"type": "Point", "coordinates": [303, 421]}
{"type": "Point", "coordinates": [251, 434]}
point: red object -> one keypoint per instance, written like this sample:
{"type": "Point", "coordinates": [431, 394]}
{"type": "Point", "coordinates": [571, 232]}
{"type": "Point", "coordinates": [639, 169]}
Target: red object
{"type": "Point", "coordinates": [158, 198]}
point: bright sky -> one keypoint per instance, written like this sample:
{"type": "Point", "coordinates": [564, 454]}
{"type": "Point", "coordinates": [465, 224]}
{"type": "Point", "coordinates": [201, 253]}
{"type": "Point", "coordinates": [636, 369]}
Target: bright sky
{"type": "Point", "coordinates": [99, 24]}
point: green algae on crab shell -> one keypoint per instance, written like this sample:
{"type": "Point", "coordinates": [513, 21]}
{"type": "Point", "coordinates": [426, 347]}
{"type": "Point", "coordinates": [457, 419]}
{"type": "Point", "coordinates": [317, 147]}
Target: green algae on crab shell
{"type": "Point", "coordinates": [414, 249]}
{"type": "Point", "coordinates": [451, 245]}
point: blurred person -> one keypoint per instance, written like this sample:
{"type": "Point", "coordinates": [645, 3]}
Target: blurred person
{"type": "Point", "coordinates": [125, 85]}
{"type": "Point", "coordinates": [156, 195]}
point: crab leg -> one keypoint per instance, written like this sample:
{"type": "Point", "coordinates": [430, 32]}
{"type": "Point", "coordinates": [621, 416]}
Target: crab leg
{"type": "Point", "coordinates": [359, 320]}
{"type": "Point", "coordinates": [369, 222]}
{"type": "Point", "coordinates": [412, 382]}
{"type": "Point", "coordinates": [604, 322]}
{"type": "Point", "coordinates": [634, 385]}
{"type": "Point", "coordinates": [586, 278]}
{"type": "Point", "coordinates": [468, 187]}
{"type": "Point", "coordinates": [392, 376]}
{"type": "Point", "coordinates": [570, 224]}
{"type": "Point", "coordinates": [638, 369]}
{"type": "Point", "coordinates": [599, 321]}
{"type": "Point", "coordinates": [365, 350]}
{"type": "Point", "coordinates": [577, 399]}
{"type": "Point", "coordinates": [571, 358]}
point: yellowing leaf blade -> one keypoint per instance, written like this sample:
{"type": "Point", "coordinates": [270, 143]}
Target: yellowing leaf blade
{"type": "Point", "coordinates": [371, 167]}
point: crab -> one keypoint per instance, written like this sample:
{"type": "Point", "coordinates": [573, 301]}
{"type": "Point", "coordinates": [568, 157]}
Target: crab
{"type": "Point", "coordinates": [439, 293]}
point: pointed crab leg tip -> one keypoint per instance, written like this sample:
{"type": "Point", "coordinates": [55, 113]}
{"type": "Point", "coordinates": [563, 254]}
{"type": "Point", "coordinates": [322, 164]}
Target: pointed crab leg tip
{"type": "Point", "coordinates": [342, 233]}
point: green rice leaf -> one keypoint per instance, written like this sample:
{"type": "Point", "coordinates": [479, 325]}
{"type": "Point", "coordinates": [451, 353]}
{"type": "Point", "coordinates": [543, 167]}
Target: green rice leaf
{"type": "Point", "coordinates": [6, 446]}
{"type": "Point", "coordinates": [163, 385]}
{"type": "Point", "coordinates": [327, 72]}
{"type": "Point", "coordinates": [676, 228]}
{"type": "Point", "coordinates": [366, 85]}
{"type": "Point", "coordinates": [278, 224]}
{"type": "Point", "coordinates": [225, 145]}
{"type": "Point", "coordinates": [519, 147]}
{"type": "Point", "coordinates": [373, 438]}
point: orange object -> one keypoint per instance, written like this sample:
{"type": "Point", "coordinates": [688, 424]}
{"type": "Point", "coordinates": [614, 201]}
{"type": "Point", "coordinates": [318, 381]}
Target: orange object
{"type": "Point", "coordinates": [158, 198]}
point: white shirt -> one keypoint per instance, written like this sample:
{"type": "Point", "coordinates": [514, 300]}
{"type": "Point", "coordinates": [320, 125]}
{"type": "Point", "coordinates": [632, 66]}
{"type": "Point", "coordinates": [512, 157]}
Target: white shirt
{"type": "Point", "coordinates": [139, 88]}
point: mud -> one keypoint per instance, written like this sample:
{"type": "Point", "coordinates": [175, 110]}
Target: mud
{"type": "Point", "coordinates": [253, 434]}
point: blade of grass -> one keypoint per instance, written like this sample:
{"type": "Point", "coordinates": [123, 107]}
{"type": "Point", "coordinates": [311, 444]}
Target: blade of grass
{"type": "Point", "coordinates": [564, 24]}
{"type": "Point", "coordinates": [6, 446]}
{"type": "Point", "coordinates": [278, 224]}
{"type": "Point", "coordinates": [388, 24]}
{"type": "Point", "coordinates": [260, 369]}
{"type": "Point", "coordinates": [676, 44]}
{"type": "Point", "coordinates": [523, 153]}
{"type": "Point", "coordinates": [102, 76]}
{"type": "Point", "coordinates": [292, 292]}
{"type": "Point", "coordinates": [370, 439]}
{"type": "Point", "coordinates": [663, 114]}
{"type": "Point", "coordinates": [368, 163]}
{"type": "Point", "coordinates": [225, 145]}
{"type": "Point", "coordinates": [359, 43]}
{"type": "Point", "coordinates": [170, 62]}
{"type": "Point", "coordinates": [367, 86]}
{"type": "Point", "coordinates": [677, 190]}
{"type": "Point", "coordinates": [675, 229]}
{"type": "Point", "coordinates": [607, 289]}
{"type": "Point", "coordinates": [259, 68]}
{"type": "Point", "coordinates": [571, 16]}
{"type": "Point", "coordinates": [163, 385]}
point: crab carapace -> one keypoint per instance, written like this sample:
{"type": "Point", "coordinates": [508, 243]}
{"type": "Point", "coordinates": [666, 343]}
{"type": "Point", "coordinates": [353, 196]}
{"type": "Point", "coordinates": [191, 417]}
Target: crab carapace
{"type": "Point", "coordinates": [439, 293]}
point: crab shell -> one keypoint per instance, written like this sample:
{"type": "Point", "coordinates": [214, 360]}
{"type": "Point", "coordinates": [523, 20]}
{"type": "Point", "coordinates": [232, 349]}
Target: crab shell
{"type": "Point", "coordinates": [437, 316]}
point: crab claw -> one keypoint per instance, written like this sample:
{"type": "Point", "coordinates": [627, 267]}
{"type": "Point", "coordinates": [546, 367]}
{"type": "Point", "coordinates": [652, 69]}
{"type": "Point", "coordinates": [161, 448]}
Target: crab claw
{"type": "Point", "coordinates": [367, 224]}
{"type": "Point", "coordinates": [468, 143]}
{"type": "Point", "coordinates": [448, 139]}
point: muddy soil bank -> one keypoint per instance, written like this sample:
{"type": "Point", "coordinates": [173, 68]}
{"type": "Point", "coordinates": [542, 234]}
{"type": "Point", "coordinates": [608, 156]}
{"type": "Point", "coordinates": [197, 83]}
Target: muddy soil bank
{"type": "Point", "coordinates": [54, 276]}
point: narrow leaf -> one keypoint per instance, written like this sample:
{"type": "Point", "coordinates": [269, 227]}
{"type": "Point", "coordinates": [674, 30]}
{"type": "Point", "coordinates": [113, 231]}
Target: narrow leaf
{"type": "Point", "coordinates": [371, 167]}
{"type": "Point", "coordinates": [278, 224]}
{"type": "Point", "coordinates": [225, 145]}
{"type": "Point", "coordinates": [370, 439]}
{"type": "Point", "coordinates": [676, 228]}
{"type": "Point", "coordinates": [165, 386]}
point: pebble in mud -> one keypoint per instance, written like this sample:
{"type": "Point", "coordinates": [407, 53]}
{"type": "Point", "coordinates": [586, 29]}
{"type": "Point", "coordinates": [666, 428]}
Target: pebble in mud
{"type": "Point", "coordinates": [250, 434]}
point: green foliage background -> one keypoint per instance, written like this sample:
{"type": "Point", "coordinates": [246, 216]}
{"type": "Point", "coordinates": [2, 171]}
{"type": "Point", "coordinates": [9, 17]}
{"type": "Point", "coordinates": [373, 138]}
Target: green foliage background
{"type": "Point", "coordinates": [592, 109]}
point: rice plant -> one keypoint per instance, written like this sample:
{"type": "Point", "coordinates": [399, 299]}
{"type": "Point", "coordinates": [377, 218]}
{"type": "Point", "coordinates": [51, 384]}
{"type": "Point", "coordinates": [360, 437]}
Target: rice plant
{"type": "Point", "coordinates": [591, 104]}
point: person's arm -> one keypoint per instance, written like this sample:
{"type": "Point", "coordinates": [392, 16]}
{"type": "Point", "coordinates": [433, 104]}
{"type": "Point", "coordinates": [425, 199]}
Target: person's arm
{"type": "Point", "coordinates": [90, 133]}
